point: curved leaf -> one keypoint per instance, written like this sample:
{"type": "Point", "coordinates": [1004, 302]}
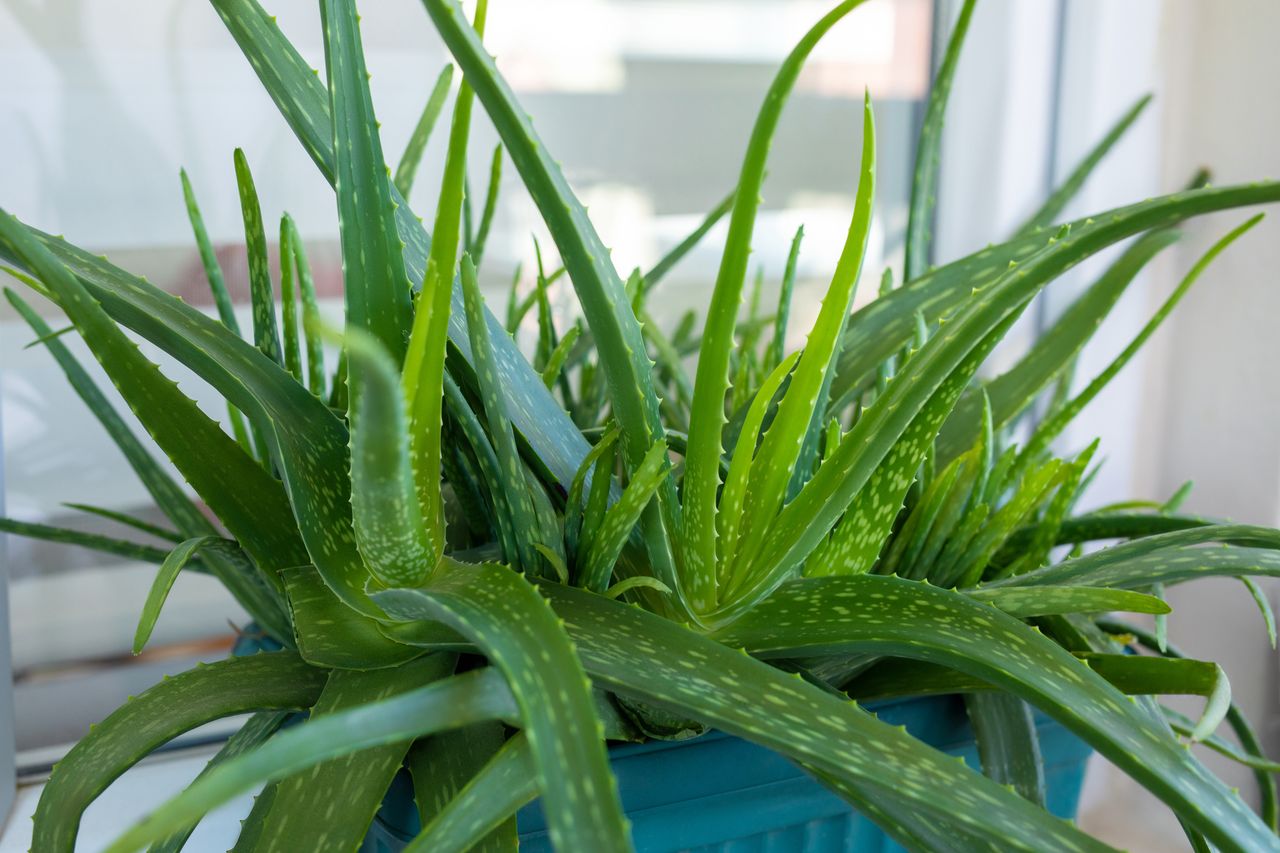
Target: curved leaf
{"type": "Point", "coordinates": [890, 616]}
{"type": "Point", "coordinates": [278, 680]}
{"type": "Point", "coordinates": [174, 562]}
{"type": "Point", "coordinates": [452, 703]}
{"type": "Point", "coordinates": [706, 422]}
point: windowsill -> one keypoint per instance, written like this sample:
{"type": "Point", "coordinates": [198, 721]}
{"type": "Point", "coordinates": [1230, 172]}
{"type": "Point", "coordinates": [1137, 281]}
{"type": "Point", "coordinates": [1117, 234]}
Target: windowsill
{"type": "Point", "coordinates": [130, 797]}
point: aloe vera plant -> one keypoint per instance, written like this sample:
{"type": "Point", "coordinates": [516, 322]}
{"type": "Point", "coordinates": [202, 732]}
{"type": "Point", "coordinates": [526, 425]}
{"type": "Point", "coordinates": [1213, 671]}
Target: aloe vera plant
{"type": "Point", "coordinates": [484, 567]}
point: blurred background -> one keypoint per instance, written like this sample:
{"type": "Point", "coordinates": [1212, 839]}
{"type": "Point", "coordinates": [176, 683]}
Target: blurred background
{"type": "Point", "coordinates": [647, 104]}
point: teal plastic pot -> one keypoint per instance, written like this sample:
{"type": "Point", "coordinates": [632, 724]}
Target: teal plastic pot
{"type": "Point", "coordinates": [721, 794]}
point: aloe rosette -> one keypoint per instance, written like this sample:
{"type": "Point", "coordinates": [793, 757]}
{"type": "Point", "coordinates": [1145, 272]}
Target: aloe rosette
{"type": "Point", "coordinates": [485, 567]}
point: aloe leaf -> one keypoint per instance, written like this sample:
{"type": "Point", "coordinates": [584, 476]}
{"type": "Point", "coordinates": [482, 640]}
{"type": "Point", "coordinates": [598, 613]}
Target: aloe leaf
{"type": "Point", "coordinates": [913, 620]}
{"type": "Point", "coordinates": [92, 541]}
{"type": "Point", "coordinates": [310, 309]}
{"type": "Point", "coordinates": [300, 816]}
{"type": "Point", "coordinates": [778, 344]}
{"type": "Point", "coordinates": [476, 248]}
{"type": "Point", "coordinates": [574, 511]}
{"type": "Point", "coordinates": [1024, 602]}
{"type": "Point", "coordinates": [393, 537]}
{"type": "Point", "coordinates": [377, 287]}
{"type": "Point", "coordinates": [289, 304]}
{"type": "Point", "coordinates": [887, 324]}
{"type": "Point", "coordinates": [1068, 189]}
{"type": "Point", "coordinates": [706, 421]}
{"type": "Point", "coordinates": [1112, 525]}
{"type": "Point", "coordinates": [643, 656]}
{"type": "Point", "coordinates": [486, 458]}
{"type": "Point", "coordinates": [266, 332]}
{"type": "Point", "coordinates": [1184, 725]}
{"type": "Point", "coordinates": [614, 327]}
{"type": "Point", "coordinates": [417, 145]}
{"type": "Point", "coordinates": [519, 634]}
{"type": "Point", "coordinates": [1008, 747]}
{"type": "Point", "coordinates": [1235, 719]}
{"type": "Point", "coordinates": [168, 495]}
{"type": "Point", "coordinates": [729, 515]}
{"type": "Point", "coordinates": [906, 543]}
{"type": "Point", "coordinates": [174, 562]}
{"type": "Point", "coordinates": [127, 520]}
{"type": "Point", "coordinates": [608, 540]}
{"type": "Point", "coordinates": [254, 732]}
{"type": "Point", "coordinates": [1168, 675]}
{"type": "Point", "coordinates": [810, 515]}
{"type": "Point", "coordinates": [1050, 523]}
{"type": "Point", "coordinates": [597, 502]}
{"type": "Point", "coordinates": [554, 367]}
{"type": "Point", "coordinates": [668, 261]}
{"type": "Point", "coordinates": [513, 489]}
{"type": "Point", "coordinates": [239, 491]}
{"type": "Point", "coordinates": [480, 810]}
{"type": "Point", "coordinates": [857, 539]}
{"type": "Point", "coordinates": [304, 104]}
{"type": "Point", "coordinates": [1264, 607]}
{"type": "Point", "coordinates": [924, 180]}
{"type": "Point", "coordinates": [424, 363]}
{"type": "Point", "coordinates": [1011, 392]}
{"type": "Point", "coordinates": [450, 703]}
{"type": "Point", "coordinates": [278, 680]}
{"type": "Point", "coordinates": [1050, 429]}
{"type": "Point", "coordinates": [1166, 558]}
{"type": "Point", "coordinates": [973, 563]}
{"type": "Point", "coordinates": [774, 463]}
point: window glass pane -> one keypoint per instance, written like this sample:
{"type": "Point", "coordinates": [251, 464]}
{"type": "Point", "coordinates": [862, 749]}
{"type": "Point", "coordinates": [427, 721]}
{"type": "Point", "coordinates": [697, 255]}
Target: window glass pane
{"type": "Point", "coordinates": [647, 105]}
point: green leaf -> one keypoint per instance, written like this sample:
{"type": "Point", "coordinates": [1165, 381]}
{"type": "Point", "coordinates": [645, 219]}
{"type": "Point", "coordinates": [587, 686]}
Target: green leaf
{"type": "Point", "coordinates": [330, 635]}
{"type": "Point", "coordinates": [424, 363]}
{"type": "Point", "coordinates": [1050, 429]}
{"type": "Point", "coordinates": [476, 249]}
{"type": "Point", "coordinates": [891, 616]}
{"type": "Point", "coordinates": [278, 680]}
{"type": "Point", "coordinates": [451, 703]}
{"type": "Point", "coordinates": [607, 542]}
{"type": "Point", "coordinates": [1166, 558]}
{"type": "Point", "coordinates": [883, 327]}
{"type": "Point", "coordinates": [310, 311]}
{"type": "Point", "coordinates": [924, 180]}
{"type": "Point", "coordinates": [600, 291]}
{"type": "Point", "coordinates": [554, 368]}
{"type": "Point", "coordinates": [398, 544]}
{"type": "Point", "coordinates": [301, 816]}
{"type": "Point", "coordinates": [507, 781]}
{"type": "Point", "coordinates": [254, 732]}
{"type": "Point", "coordinates": [1264, 607]}
{"type": "Point", "coordinates": [266, 333]}
{"type": "Point", "coordinates": [92, 541]}
{"type": "Point", "coordinates": [1239, 724]}
{"type": "Point", "coordinates": [1051, 355]}
{"type": "Point", "coordinates": [174, 562]}
{"type": "Point", "coordinates": [289, 303]}
{"type": "Point", "coordinates": [377, 287]}
{"type": "Point", "coordinates": [1062, 196]}
{"type": "Point", "coordinates": [417, 145]}
{"type": "Point", "coordinates": [706, 422]}
{"type": "Point", "coordinates": [778, 344]}
{"type": "Point", "coordinates": [774, 463]}
{"type": "Point", "coordinates": [513, 492]}
{"type": "Point", "coordinates": [642, 656]}
{"type": "Point", "coordinates": [446, 764]}
{"type": "Point", "coordinates": [519, 634]}
{"type": "Point", "coordinates": [730, 510]}
{"type": "Point", "coordinates": [127, 520]}
{"type": "Point", "coordinates": [1025, 602]}
{"type": "Point", "coordinates": [1008, 746]}
{"type": "Point", "coordinates": [235, 487]}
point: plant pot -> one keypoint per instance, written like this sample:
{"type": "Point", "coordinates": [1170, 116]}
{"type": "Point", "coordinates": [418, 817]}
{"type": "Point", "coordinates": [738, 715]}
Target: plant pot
{"type": "Point", "coordinates": [722, 793]}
